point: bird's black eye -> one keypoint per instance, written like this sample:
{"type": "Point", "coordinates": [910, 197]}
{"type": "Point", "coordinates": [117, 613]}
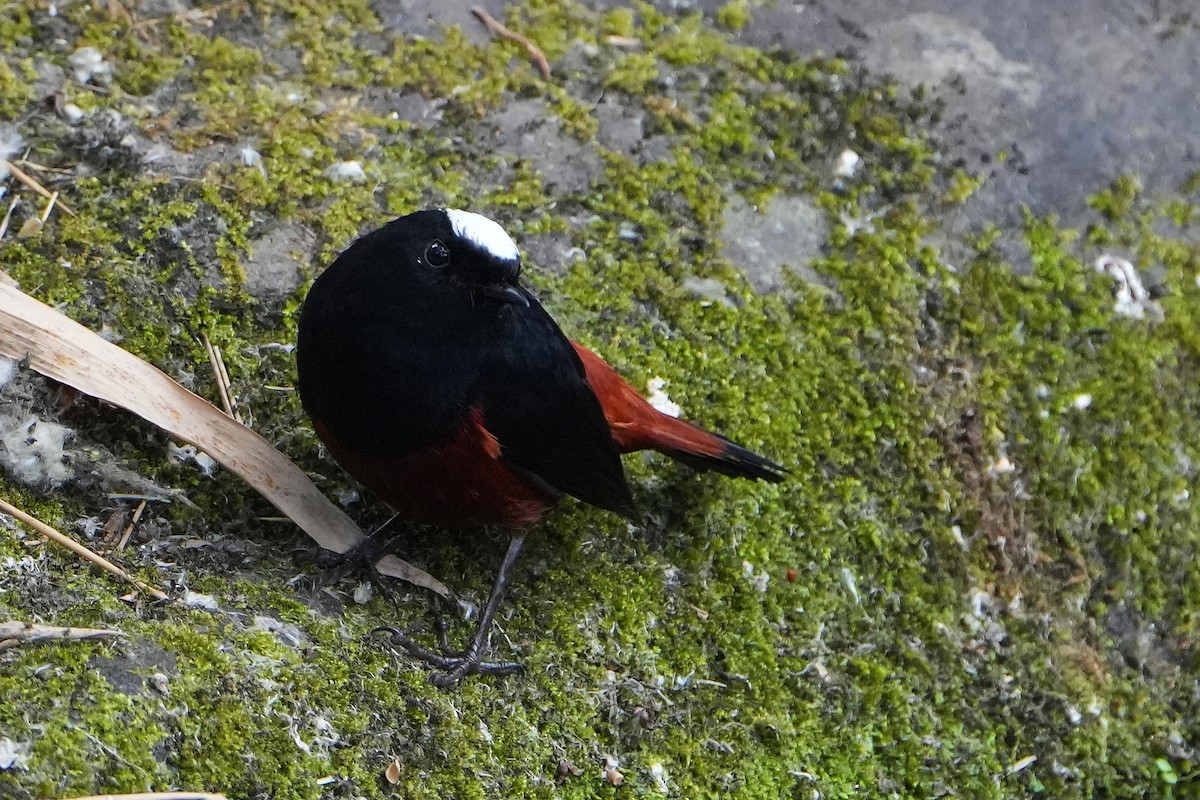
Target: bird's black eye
{"type": "Point", "coordinates": [437, 254]}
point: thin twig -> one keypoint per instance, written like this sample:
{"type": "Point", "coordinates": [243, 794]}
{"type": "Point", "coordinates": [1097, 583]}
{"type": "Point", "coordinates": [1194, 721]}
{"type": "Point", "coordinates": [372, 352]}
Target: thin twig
{"type": "Point", "coordinates": [137, 515]}
{"type": "Point", "coordinates": [48, 209]}
{"type": "Point", "coordinates": [36, 167]}
{"type": "Point", "coordinates": [156, 796]}
{"type": "Point", "coordinates": [32, 183]}
{"type": "Point", "coordinates": [16, 633]}
{"type": "Point", "coordinates": [78, 549]}
{"type": "Point", "coordinates": [223, 383]}
{"type": "Point", "coordinates": [91, 87]}
{"type": "Point", "coordinates": [498, 29]}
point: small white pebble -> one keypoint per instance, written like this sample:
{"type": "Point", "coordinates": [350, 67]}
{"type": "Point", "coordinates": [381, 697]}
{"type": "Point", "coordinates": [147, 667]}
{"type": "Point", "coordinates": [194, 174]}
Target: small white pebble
{"type": "Point", "coordinates": [1002, 466]}
{"type": "Point", "coordinates": [250, 157]}
{"type": "Point", "coordinates": [1081, 402]}
{"type": "Point", "coordinates": [660, 399]}
{"type": "Point", "coordinates": [847, 164]}
{"type": "Point", "coordinates": [72, 113]}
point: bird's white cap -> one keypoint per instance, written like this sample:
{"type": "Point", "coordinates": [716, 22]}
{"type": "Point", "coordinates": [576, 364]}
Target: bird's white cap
{"type": "Point", "coordinates": [484, 233]}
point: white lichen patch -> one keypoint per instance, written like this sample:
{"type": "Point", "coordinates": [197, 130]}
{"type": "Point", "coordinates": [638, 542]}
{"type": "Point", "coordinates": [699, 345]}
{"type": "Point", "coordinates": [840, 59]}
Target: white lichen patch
{"type": "Point", "coordinates": [11, 143]}
{"type": "Point", "coordinates": [88, 64]}
{"type": "Point", "coordinates": [186, 452]}
{"type": "Point", "coordinates": [192, 599]}
{"type": "Point", "coordinates": [659, 773]}
{"type": "Point", "coordinates": [346, 172]}
{"type": "Point", "coordinates": [33, 451]}
{"type": "Point", "coordinates": [1131, 297]}
{"type": "Point", "coordinates": [12, 755]}
{"type": "Point", "coordinates": [8, 370]}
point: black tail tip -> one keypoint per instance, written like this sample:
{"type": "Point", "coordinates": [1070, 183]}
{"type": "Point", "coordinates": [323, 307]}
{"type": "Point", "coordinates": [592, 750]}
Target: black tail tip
{"type": "Point", "coordinates": [734, 461]}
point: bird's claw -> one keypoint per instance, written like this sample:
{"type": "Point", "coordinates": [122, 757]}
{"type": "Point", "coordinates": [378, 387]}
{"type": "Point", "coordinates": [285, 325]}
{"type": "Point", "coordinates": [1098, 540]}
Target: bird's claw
{"type": "Point", "coordinates": [453, 665]}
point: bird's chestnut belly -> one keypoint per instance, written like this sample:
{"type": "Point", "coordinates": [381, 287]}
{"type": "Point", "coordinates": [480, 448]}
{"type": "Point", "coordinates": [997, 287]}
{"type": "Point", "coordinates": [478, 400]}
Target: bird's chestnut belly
{"type": "Point", "coordinates": [460, 482]}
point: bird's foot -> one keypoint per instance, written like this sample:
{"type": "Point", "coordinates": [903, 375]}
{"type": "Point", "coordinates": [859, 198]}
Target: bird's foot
{"type": "Point", "coordinates": [359, 560]}
{"type": "Point", "coordinates": [452, 665]}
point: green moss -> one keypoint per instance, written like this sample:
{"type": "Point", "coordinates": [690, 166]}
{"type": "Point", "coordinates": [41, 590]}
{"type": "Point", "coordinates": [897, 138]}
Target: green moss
{"type": "Point", "coordinates": [635, 73]}
{"type": "Point", "coordinates": [734, 15]}
{"type": "Point", "coordinates": [902, 617]}
{"type": "Point", "coordinates": [16, 90]}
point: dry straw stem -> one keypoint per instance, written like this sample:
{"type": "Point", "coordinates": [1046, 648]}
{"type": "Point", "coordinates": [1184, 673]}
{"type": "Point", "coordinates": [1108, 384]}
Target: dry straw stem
{"type": "Point", "coordinates": [224, 385]}
{"type": "Point", "coordinates": [16, 633]}
{"type": "Point", "coordinates": [32, 183]}
{"type": "Point", "coordinates": [64, 350]}
{"type": "Point", "coordinates": [133, 521]}
{"type": "Point", "coordinates": [78, 549]}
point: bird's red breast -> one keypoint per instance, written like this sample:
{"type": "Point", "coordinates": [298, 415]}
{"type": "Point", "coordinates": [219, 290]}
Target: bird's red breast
{"type": "Point", "coordinates": [462, 481]}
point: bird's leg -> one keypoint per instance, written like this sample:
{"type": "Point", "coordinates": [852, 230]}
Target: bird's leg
{"type": "Point", "coordinates": [470, 661]}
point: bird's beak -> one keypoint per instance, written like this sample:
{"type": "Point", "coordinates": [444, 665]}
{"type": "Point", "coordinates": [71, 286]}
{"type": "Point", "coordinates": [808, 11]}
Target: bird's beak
{"type": "Point", "coordinates": [505, 293]}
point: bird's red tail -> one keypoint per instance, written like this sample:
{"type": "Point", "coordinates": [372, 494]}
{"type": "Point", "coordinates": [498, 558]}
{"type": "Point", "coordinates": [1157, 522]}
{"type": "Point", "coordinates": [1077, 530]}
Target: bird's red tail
{"type": "Point", "coordinates": [637, 425]}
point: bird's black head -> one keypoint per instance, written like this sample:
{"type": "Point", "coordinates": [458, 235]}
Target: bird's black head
{"type": "Point", "coordinates": [438, 255]}
{"type": "Point", "coordinates": [401, 322]}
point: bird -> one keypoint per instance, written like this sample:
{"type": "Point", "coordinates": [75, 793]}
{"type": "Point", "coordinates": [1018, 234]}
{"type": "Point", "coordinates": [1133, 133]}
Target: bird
{"type": "Point", "coordinates": [439, 382]}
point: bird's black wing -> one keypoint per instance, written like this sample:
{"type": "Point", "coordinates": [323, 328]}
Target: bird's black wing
{"type": "Point", "coordinates": [538, 404]}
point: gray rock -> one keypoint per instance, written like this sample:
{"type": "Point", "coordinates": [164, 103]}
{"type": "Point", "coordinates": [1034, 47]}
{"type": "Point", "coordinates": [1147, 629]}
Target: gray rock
{"type": "Point", "coordinates": [621, 128]}
{"type": "Point", "coordinates": [272, 265]}
{"type": "Point", "coordinates": [552, 252]}
{"type": "Point", "coordinates": [428, 17]}
{"type": "Point", "coordinates": [528, 129]}
{"type": "Point", "coordinates": [790, 232]}
{"type": "Point", "coordinates": [1076, 92]}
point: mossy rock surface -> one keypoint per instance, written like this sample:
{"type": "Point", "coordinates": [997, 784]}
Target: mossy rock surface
{"type": "Point", "coordinates": [978, 580]}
